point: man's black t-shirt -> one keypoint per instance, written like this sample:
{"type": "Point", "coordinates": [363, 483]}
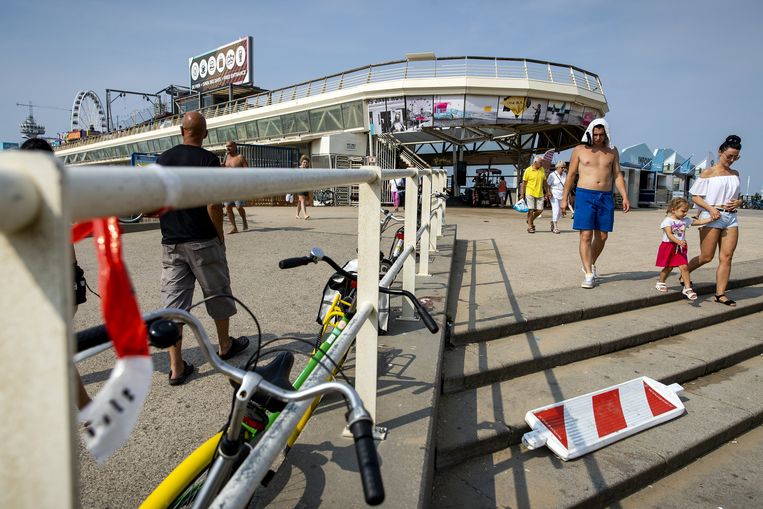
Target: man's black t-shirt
{"type": "Point", "coordinates": [187, 225]}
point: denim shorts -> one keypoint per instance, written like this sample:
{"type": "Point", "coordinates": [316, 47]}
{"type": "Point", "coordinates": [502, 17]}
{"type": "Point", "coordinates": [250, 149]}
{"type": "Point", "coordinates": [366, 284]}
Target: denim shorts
{"type": "Point", "coordinates": [237, 203]}
{"type": "Point", "coordinates": [727, 220]}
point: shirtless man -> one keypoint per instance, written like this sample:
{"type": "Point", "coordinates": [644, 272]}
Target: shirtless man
{"type": "Point", "coordinates": [598, 163]}
{"type": "Point", "coordinates": [235, 160]}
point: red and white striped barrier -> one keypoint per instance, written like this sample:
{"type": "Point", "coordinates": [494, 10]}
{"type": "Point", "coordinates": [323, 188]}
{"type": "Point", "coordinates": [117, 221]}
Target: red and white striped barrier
{"type": "Point", "coordinates": [577, 426]}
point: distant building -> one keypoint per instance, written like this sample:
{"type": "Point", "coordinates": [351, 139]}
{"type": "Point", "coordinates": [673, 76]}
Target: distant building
{"type": "Point", "coordinates": [654, 177]}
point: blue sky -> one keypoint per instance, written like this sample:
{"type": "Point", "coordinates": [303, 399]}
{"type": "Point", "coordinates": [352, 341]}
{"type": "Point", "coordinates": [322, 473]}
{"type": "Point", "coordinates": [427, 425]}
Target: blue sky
{"type": "Point", "coordinates": [682, 74]}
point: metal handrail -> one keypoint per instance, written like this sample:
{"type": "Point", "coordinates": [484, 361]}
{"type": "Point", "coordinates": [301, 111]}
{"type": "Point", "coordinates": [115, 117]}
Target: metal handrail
{"type": "Point", "coordinates": [44, 197]}
{"type": "Point", "coordinates": [443, 67]}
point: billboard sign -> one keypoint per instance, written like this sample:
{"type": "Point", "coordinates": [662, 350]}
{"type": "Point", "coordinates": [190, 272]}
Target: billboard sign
{"type": "Point", "coordinates": [231, 64]}
{"type": "Point", "coordinates": [141, 159]}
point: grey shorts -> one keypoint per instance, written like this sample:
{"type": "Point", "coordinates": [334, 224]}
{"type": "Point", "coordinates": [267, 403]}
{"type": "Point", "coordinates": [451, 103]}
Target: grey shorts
{"type": "Point", "coordinates": [237, 203]}
{"type": "Point", "coordinates": [205, 262]}
{"type": "Point", "coordinates": [534, 203]}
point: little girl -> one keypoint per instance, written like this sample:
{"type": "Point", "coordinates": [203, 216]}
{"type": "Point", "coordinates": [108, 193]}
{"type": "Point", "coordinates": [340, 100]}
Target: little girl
{"type": "Point", "coordinates": [672, 251]}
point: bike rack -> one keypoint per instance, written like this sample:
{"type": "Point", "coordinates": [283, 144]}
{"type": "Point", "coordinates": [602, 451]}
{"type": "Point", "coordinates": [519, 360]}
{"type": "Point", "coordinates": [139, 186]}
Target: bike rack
{"type": "Point", "coordinates": [39, 200]}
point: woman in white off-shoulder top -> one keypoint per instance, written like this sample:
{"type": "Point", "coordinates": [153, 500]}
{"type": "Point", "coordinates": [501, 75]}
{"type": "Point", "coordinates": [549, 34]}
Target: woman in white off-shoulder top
{"type": "Point", "coordinates": [716, 191]}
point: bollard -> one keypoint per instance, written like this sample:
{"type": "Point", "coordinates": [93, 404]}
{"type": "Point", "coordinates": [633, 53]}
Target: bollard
{"type": "Point", "coordinates": [37, 469]}
{"type": "Point", "coordinates": [368, 288]}
{"type": "Point", "coordinates": [426, 212]}
{"type": "Point", "coordinates": [409, 268]}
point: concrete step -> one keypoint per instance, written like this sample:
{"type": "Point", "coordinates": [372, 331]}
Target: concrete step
{"type": "Point", "coordinates": [486, 419]}
{"type": "Point", "coordinates": [726, 477]}
{"type": "Point", "coordinates": [719, 407]}
{"type": "Point", "coordinates": [478, 364]}
{"type": "Point", "coordinates": [542, 310]}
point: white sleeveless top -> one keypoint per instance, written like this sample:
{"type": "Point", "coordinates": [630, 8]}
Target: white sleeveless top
{"type": "Point", "coordinates": [716, 190]}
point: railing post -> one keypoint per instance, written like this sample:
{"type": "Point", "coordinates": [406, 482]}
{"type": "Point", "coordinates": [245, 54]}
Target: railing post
{"type": "Point", "coordinates": [409, 267]}
{"type": "Point", "coordinates": [587, 83]}
{"type": "Point", "coordinates": [426, 212]}
{"type": "Point", "coordinates": [35, 348]}
{"type": "Point", "coordinates": [435, 217]}
{"type": "Point", "coordinates": [440, 201]}
{"type": "Point", "coordinates": [369, 203]}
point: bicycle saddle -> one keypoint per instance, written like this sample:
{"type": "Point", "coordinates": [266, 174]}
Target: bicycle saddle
{"type": "Point", "coordinates": [277, 372]}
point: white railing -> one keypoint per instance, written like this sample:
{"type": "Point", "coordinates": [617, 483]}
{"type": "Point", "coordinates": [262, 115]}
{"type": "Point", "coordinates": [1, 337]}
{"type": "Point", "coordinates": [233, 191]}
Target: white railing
{"type": "Point", "coordinates": [39, 199]}
{"type": "Point", "coordinates": [444, 67]}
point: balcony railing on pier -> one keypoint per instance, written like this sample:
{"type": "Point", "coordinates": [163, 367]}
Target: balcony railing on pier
{"type": "Point", "coordinates": [444, 67]}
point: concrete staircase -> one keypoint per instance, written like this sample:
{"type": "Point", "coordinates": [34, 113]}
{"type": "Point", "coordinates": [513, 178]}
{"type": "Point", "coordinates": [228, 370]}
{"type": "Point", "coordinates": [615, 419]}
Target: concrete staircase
{"type": "Point", "coordinates": [558, 349]}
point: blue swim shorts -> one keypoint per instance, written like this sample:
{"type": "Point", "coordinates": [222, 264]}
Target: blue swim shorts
{"type": "Point", "coordinates": [594, 210]}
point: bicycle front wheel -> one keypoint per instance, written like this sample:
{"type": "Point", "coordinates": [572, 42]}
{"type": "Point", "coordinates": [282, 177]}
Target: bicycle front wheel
{"type": "Point", "coordinates": [131, 219]}
{"type": "Point", "coordinates": [180, 488]}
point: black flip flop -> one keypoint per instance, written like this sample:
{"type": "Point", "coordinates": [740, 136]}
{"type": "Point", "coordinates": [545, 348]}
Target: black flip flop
{"type": "Point", "coordinates": [183, 378]}
{"type": "Point", "coordinates": [727, 302]}
{"type": "Point", "coordinates": [237, 346]}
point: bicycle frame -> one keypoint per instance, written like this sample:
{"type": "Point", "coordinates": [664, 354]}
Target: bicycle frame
{"type": "Point", "coordinates": [184, 474]}
{"type": "Point", "coordinates": [213, 450]}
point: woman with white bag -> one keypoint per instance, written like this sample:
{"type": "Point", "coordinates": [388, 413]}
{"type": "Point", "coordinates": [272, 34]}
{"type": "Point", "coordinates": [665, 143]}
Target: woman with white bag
{"type": "Point", "coordinates": [556, 180]}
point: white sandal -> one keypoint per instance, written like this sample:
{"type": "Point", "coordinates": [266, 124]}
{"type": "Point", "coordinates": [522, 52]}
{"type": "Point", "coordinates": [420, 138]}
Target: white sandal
{"type": "Point", "coordinates": [662, 287]}
{"type": "Point", "coordinates": [689, 293]}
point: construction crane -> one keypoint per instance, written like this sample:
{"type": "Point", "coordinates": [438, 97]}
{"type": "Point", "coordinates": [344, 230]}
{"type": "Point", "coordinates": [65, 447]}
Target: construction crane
{"type": "Point", "coordinates": [29, 128]}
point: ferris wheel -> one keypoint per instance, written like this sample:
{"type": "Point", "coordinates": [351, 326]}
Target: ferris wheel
{"type": "Point", "coordinates": [87, 112]}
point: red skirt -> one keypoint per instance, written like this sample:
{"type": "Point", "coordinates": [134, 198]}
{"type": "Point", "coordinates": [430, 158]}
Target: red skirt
{"type": "Point", "coordinates": [671, 255]}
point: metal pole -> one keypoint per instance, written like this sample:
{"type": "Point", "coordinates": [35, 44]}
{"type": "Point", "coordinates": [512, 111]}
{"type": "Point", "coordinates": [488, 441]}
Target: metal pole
{"type": "Point", "coordinates": [108, 110]}
{"type": "Point", "coordinates": [98, 191]}
{"type": "Point", "coordinates": [434, 217]}
{"type": "Point", "coordinates": [409, 269]}
{"type": "Point", "coordinates": [456, 188]}
{"type": "Point", "coordinates": [440, 201]}
{"type": "Point", "coordinates": [368, 288]}
{"type": "Point", "coordinates": [35, 343]}
{"type": "Point", "coordinates": [426, 223]}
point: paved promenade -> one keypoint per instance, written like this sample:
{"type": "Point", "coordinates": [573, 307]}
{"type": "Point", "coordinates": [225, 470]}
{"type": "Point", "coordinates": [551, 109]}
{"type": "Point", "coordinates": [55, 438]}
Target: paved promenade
{"type": "Point", "coordinates": [502, 263]}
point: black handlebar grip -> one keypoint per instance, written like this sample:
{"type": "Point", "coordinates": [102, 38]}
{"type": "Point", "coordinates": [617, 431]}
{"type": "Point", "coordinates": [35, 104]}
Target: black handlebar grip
{"type": "Point", "coordinates": [163, 333]}
{"type": "Point", "coordinates": [368, 462]}
{"type": "Point", "coordinates": [425, 316]}
{"type": "Point", "coordinates": [290, 263]}
{"type": "Point", "coordinates": [89, 338]}
{"type": "Point", "coordinates": [423, 313]}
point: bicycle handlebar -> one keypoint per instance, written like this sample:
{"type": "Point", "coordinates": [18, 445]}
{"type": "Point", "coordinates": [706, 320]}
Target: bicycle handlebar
{"type": "Point", "coordinates": [290, 263]}
{"type": "Point", "coordinates": [162, 333]}
{"type": "Point", "coordinates": [425, 316]}
{"type": "Point", "coordinates": [317, 255]}
{"type": "Point", "coordinates": [390, 215]}
{"type": "Point", "coordinates": [423, 313]}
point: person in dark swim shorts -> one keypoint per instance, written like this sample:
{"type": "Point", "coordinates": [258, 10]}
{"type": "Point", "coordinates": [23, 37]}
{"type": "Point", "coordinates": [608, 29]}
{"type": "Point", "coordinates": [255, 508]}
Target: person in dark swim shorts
{"type": "Point", "coordinates": [595, 210]}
